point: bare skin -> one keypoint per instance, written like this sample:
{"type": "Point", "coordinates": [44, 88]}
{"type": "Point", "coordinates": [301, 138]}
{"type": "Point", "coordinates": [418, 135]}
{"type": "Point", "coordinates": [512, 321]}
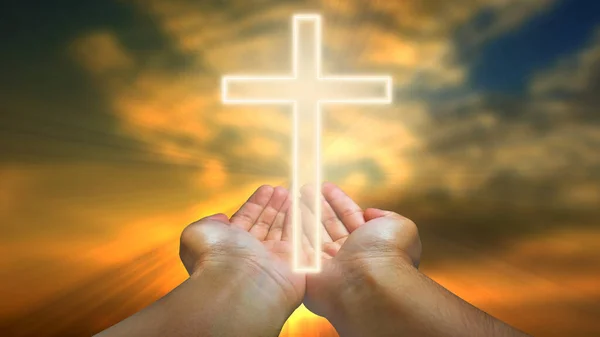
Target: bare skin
{"type": "Point", "coordinates": [240, 284]}
{"type": "Point", "coordinates": [370, 284]}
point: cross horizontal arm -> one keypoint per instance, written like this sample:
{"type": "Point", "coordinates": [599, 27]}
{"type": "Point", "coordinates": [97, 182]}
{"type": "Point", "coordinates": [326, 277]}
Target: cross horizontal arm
{"type": "Point", "coordinates": [356, 89]}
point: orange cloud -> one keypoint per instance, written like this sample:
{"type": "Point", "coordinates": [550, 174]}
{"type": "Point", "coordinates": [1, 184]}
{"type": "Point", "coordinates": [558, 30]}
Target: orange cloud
{"type": "Point", "coordinates": [101, 52]}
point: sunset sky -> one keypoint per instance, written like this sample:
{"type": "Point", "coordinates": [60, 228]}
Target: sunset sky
{"type": "Point", "coordinates": [113, 138]}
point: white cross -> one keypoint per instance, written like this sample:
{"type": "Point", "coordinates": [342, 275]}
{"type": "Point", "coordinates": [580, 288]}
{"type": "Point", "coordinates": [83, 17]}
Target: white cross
{"type": "Point", "coordinates": [306, 90]}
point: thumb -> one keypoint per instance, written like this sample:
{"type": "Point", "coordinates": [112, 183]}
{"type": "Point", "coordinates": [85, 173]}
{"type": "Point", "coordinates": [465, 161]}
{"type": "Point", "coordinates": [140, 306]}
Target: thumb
{"type": "Point", "coordinates": [385, 231]}
{"type": "Point", "coordinates": [374, 213]}
{"type": "Point", "coordinates": [218, 217]}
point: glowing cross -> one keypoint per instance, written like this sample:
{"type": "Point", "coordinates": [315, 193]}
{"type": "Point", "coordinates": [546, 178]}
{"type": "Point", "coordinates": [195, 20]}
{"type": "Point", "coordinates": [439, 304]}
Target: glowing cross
{"type": "Point", "coordinates": [306, 90]}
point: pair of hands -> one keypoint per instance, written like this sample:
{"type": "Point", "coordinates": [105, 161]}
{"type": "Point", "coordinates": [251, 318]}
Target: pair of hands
{"type": "Point", "coordinates": [258, 239]}
{"type": "Point", "coordinates": [242, 284]}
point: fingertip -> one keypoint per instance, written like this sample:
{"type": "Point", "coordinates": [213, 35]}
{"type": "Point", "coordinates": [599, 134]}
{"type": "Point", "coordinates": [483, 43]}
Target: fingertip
{"type": "Point", "coordinates": [332, 192]}
{"type": "Point", "coordinates": [279, 187]}
{"type": "Point", "coordinates": [219, 217]}
{"type": "Point", "coordinates": [328, 184]}
{"type": "Point", "coordinates": [374, 213]}
{"type": "Point", "coordinates": [306, 189]}
{"type": "Point", "coordinates": [328, 187]}
{"type": "Point", "coordinates": [264, 189]}
{"type": "Point", "coordinates": [331, 248]}
{"type": "Point", "coordinates": [280, 193]}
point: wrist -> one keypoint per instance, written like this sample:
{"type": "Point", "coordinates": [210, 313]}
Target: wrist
{"type": "Point", "coordinates": [228, 300]}
{"type": "Point", "coordinates": [250, 277]}
{"type": "Point", "coordinates": [370, 293]}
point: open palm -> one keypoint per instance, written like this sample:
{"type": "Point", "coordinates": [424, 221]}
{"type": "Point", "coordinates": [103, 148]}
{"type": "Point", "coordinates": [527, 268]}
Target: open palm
{"type": "Point", "coordinates": [353, 238]}
{"type": "Point", "coordinates": [266, 216]}
{"type": "Point", "coordinates": [340, 217]}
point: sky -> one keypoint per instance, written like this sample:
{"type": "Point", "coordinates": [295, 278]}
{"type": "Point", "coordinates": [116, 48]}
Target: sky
{"type": "Point", "coordinates": [113, 138]}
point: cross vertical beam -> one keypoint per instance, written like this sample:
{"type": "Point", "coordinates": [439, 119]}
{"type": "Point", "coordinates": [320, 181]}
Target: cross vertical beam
{"type": "Point", "coordinates": [306, 91]}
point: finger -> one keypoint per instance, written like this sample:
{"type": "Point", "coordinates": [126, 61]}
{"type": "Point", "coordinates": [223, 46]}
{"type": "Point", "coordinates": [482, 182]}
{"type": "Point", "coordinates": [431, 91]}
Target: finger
{"type": "Point", "coordinates": [328, 217]}
{"type": "Point", "coordinates": [344, 207]}
{"type": "Point", "coordinates": [308, 251]}
{"type": "Point", "coordinates": [306, 222]}
{"type": "Point", "coordinates": [330, 249]}
{"type": "Point", "coordinates": [391, 228]}
{"type": "Point", "coordinates": [334, 228]}
{"type": "Point", "coordinates": [219, 217]}
{"type": "Point", "coordinates": [266, 218]}
{"type": "Point", "coordinates": [374, 213]}
{"type": "Point", "coordinates": [311, 228]}
{"type": "Point", "coordinates": [287, 234]}
{"type": "Point", "coordinates": [276, 230]}
{"type": "Point", "coordinates": [248, 214]}
{"type": "Point", "coordinates": [288, 230]}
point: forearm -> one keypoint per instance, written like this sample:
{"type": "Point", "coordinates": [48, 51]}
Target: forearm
{"type": "Point", "coordinates": [239, 302]}
{"type": "Point", "coordinates": [399, 300]}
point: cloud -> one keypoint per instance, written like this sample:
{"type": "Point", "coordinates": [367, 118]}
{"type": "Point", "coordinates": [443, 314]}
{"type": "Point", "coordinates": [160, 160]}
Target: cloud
{"type": "Point", "coordinates": [180, 113]}
{"type": "Point", "coordinates": [15, 186]}
{"type": "Point", "coordinates": [66, 222]}
{"type": "Point", "coordinates": [468, 145]}
{"type": "Point", "coordinates": [549, 134]}
{"type": "Point", "coordinates": [499, 17]}
{"type": "Point", "coordinates": [570, 88]}
{"type": "Point", "coordinates": [101, 53]}
{"type": "Point", "coordinates": [532, 281]}
{"type": "Point", "coordinates": [467, 168]}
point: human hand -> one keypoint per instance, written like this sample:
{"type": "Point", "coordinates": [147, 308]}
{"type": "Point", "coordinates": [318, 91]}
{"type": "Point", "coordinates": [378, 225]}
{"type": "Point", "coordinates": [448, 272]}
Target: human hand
{"type": "Point", "coordinates": [355, 241]}
{"type": "Point", "coordinates": [368, 285]}
{"type": "Point", "coordinates": [257, 238]}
